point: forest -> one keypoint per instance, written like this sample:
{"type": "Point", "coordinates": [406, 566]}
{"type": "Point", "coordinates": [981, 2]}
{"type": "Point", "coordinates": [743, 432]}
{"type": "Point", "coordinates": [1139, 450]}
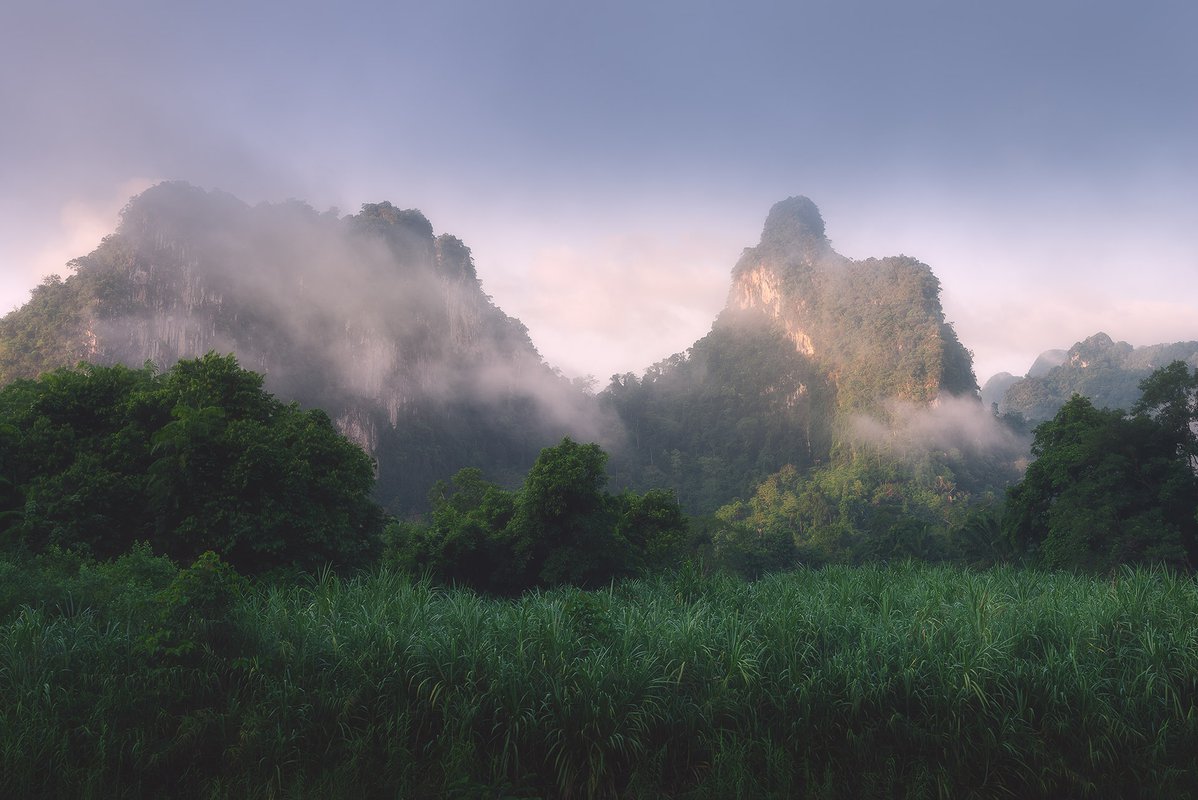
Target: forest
{"type": "Point", "coordinates": [330, 525]}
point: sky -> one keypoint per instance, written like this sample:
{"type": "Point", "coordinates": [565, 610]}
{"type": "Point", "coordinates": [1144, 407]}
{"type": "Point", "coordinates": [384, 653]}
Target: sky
{"type": "Point", "coordinates": [607, 162]}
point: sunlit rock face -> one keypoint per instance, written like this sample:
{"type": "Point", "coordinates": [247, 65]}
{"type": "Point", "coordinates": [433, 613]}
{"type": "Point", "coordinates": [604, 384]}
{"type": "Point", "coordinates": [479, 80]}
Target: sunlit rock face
{"type": "Point", "coordinates": [760, 289]}
{"type": "Point", "coordinates": [876, 326]}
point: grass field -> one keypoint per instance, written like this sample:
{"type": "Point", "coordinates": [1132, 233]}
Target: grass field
{"type": "Point", "coordinates": [900, 681]}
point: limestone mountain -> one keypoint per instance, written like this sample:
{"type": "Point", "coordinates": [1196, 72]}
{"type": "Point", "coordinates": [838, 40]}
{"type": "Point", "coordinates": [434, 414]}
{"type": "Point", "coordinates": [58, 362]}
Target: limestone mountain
{"type": "Point", "coordinates": [875, 326]}
{"type": "Point", "coordinates": [808, 339]}
{"type": "Point", "coordinates": [370, 316]}
{"type": "Point", "coordinates": [1105, 371]}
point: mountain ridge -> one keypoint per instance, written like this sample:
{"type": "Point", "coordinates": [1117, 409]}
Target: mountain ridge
{"type": "Point", "coordinates": [1106, 371]}
{"type": "Point", "coordinates": [382, 322]}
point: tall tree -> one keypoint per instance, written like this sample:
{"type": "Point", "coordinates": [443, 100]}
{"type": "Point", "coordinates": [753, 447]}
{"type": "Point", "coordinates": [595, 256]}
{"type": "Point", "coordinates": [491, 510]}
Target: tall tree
{"type": "Point", "coordinates": [565, 523]}
{"type": "Point", "coordinates": [560, 527]}
{"type": "Point", "coordinates": [1107, 488]}
{"type": "Point", "coordinates": [1170, 396]}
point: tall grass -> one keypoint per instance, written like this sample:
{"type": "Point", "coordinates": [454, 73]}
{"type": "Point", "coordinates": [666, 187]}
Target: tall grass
{"type": "Point", "coordinates": [902, 681]}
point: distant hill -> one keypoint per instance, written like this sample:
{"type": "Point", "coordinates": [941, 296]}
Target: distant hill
{"type": "Point", "coordinates": [1046, 362]}
{"type": "Point", "coordinates": [996, 387]}
{"type": "Point", "coordinates": [1106, 371]}
{"type": "Point", "coordinates": [370, 316]}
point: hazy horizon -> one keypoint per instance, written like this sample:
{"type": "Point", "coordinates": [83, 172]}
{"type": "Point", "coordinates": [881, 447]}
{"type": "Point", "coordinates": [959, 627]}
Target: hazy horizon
{"type": "Point", "coordinates": [607, 165]}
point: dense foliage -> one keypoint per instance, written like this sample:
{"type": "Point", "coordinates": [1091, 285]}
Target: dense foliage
{"type": "Point", "coordinates": [870, 682]}
{"type": "Point", "coordinates": [864, 508]}
{"type": "Point", "coordinates": [197, 458]}
{"type": "Point", "coordinates": [1108, 488]}
{"type": "Point", "coordinates": [560, 527]}
{"type": "Point", "coordinates": [867, 504]}
{"type": "Point", "coordinates": [49, 331]}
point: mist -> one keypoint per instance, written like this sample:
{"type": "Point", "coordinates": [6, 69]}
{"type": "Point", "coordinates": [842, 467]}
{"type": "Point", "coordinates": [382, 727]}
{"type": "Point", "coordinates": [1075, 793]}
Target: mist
{"type": "Point", "coordinates": [955, 426]}
{"type": "Point", "coordinates": [371, 316]}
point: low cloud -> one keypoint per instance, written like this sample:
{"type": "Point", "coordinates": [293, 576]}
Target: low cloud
{"type": "Point", "coordinates": [82, 223]}
{"type": "Point", "coordinates": [370, 316]}
{"type": "Point", "coordinates": [956, 426]}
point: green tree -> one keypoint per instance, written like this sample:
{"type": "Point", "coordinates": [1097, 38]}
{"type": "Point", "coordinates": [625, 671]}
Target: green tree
{"type": "Point", "coordinates": [198, 458]}
{"type": "Point", "coordinates": [467, 541]}
{"type": "Point", "coordinates": [751, 552]}
{"type": "Point", "coordinates": [654, 527]}
{"type": "Point", "coordinates": [560, 527]}
{"type": "Point", "coordinates": [1107, 488]}
{"type": "Point", "coordinates": [1170, 397]}
{"type": "Point", "coordinates": [565, 523]}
